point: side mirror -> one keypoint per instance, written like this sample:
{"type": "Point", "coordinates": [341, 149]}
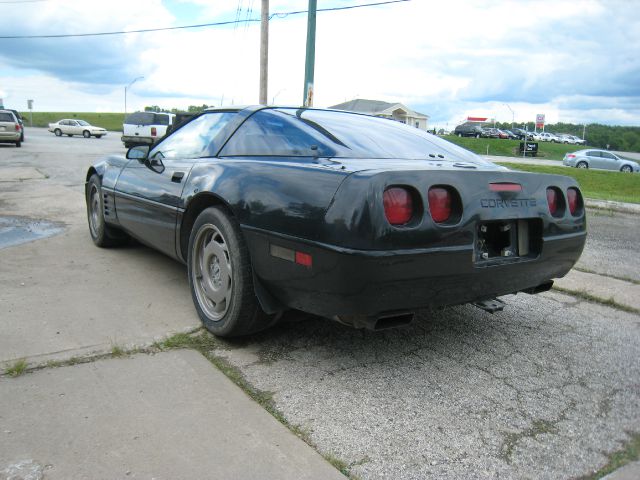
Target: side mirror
{"type": "Point", "coordinates": [140, 152]}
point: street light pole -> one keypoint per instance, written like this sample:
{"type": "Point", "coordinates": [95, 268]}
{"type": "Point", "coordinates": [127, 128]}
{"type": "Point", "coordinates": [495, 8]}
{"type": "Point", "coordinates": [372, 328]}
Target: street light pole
{"type": "Point", "coordinates": [125, 93]}
{"type": "Point", "coordinates": [513, 115]}
{"type": "Point", "coordinates": [310, 59]}
{"type": "Point", "coordinates": [264, 51]}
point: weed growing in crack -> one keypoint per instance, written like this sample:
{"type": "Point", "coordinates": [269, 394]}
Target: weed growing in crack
{"type": "Point", "coordinates": [17, 369]}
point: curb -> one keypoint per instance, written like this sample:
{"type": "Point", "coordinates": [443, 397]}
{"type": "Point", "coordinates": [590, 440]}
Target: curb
{"type": "Point", "coordinates": [614, 206]}
{"type": "Point", "coordinates": [630, 471]}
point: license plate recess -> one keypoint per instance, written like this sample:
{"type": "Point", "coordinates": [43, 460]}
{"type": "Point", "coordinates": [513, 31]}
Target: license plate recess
{"type": "Point", "coordinates": [502, 240]}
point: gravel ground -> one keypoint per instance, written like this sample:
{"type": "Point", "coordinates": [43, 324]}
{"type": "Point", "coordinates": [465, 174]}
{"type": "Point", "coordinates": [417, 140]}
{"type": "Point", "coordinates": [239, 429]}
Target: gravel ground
{"type": "Point", "coordinates": [542, 390]}
{"type": "Point", "coordinates": [545, 389]}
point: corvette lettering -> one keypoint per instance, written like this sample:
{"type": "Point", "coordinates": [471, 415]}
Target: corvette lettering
{"type": "Point", "coordinates": [512, 203]}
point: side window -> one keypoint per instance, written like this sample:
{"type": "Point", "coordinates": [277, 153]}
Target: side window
{"type": "Point", "coordinates": [198, 138]}
{"type": "Point", "coordinates": [270, 133]}
{"type": "Point", "coordinates": [607, 155]}
{"type": "Point", "coordinates": [593, 153]}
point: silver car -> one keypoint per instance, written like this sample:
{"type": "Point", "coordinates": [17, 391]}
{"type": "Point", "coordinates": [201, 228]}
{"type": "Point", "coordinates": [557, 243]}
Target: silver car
{"type": "Point", "coordinates": [10, 128]}
{"type": "Point", "coordinates": [603, 159]}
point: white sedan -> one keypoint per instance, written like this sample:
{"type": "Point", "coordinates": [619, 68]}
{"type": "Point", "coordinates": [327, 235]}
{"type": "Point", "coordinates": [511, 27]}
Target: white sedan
{"type": "Point", "coordinates": [76, 127]}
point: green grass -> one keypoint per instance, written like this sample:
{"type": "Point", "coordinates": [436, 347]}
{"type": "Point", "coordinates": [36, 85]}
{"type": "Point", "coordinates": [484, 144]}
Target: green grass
{"type": "Point", "coordinates": [599, 184]}
{"type": "Point", "coordinates": [17, 369]}
{"type": "Point", "coordinates": [110, 121]}
{"type": "Point", "coordinates": [629, 453]}
{"type": "Point", "coordinates": [509, 148]}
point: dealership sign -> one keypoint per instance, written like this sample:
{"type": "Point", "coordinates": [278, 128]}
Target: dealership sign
{"type": "Point", "coordinates": [540, 120]}
{"type": "Point", "coordinates": [477, 119]}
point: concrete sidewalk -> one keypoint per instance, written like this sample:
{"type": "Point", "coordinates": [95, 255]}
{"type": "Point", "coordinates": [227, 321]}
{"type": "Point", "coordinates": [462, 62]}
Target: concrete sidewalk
{"type": "Point", "coordinates": [165, 416]}
{"type": "Point", "coordinates": [606, 288]}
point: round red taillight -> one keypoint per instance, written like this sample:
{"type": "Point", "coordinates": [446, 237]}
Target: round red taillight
{"type": "Point", "coordinates": [398, 205]}
{"type": "Point", "coordinates": [439, 204]}
{"type": "Point", "coordinates": [552, 200]}
{"type": "Point", "coordinates": [573, 199]}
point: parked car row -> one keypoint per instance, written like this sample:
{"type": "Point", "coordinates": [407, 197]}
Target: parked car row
{"type": "Point", "coordinates": [477, 131]}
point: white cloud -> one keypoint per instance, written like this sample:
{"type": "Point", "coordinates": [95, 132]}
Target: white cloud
{"type": "Point", "coordinates": [445, 59]}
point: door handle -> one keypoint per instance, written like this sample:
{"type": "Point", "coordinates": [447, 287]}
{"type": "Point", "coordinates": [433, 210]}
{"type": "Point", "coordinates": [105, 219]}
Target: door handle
{"type": "Point", "coordinates": [177, 177]}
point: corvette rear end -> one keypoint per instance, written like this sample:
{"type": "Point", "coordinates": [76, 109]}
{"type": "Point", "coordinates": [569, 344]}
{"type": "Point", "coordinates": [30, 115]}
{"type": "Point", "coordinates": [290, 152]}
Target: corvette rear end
{"type": "Point", "coordinates": [398, 241]}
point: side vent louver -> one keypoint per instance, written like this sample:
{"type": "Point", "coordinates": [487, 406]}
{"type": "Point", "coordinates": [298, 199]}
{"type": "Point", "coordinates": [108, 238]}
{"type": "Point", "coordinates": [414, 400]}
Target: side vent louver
{"type": "Point", "coordinates": [106, 204]}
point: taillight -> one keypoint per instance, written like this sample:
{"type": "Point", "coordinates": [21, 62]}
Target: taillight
{"type": "Point", "coordinates": [398, 205]}
{"type": "Point", "coordinates": [552, 200]}
{"type": "Point", "coordinates": [17, 127]}
{"type": "Point", "coordinates": [153, 131]}
{"type": "Point", "coordinates": [573, 197]}
{"type": "Point", "coordinates": [571, 155]}
{"type": "Point", "coordinates": [439, 204]}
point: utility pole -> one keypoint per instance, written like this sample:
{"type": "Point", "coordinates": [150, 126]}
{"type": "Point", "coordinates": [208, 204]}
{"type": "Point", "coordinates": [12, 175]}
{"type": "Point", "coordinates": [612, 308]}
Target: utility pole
{"type": "Point", "coordinates": [264, 51]}
{"type": "Point", "coordinates": [310, 61]}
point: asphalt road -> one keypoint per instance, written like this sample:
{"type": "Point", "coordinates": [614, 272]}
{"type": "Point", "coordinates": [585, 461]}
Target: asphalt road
{"type": "Point", "coordinates": [545, 389]}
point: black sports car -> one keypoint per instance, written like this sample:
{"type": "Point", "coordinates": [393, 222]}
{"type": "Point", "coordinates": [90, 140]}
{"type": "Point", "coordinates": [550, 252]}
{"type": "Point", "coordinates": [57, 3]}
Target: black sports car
{"type": "Point", "coordinates": [338, 214]}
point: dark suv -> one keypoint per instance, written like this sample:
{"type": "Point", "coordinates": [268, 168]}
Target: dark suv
{"type": "Point", "coordinates": [468, 130]}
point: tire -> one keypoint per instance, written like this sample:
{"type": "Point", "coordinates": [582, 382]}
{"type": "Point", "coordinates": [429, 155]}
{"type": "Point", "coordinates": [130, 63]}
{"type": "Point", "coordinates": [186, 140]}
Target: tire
{"type": "Point", "coordinates": [98, 136]}
{"type": "Point", "coordinates": [102, 234]}
{"type": "Point", "coordinates": [86, 134]}
{"type": "Point", "coordinates": [58, 132]}
{"type": "Point", "coordinates": [477, 135]}
{"type": "Point", "coordinates": [22, 136]}
{"type": "Point", "coordinates": [222, 291]}
{"type": "Point", "coordinates": [18, 144]}
{"type": "Point", "coordinates": [582, 165]}
{"type": "Point", "coordinates": [626, 169]}
{"type": "Point", "coordinates": [69, 135]}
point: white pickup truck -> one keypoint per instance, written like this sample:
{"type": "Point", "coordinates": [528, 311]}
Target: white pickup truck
{"type": "Point", "coordinates": [144, 128]}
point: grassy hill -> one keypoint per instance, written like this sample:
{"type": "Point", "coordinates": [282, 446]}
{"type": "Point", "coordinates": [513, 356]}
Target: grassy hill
{"type": "Point", "coordinates": [600, 184]}
{"type": "Point", "coordinates": [509, 148]}
{"type": "Point", "coordinates": [110, 121]}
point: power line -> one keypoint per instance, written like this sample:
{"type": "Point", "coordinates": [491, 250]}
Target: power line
{"type": "Point", "coordinates": [201, 25]}
{"type": "Point", "coordinates": [22, 1]}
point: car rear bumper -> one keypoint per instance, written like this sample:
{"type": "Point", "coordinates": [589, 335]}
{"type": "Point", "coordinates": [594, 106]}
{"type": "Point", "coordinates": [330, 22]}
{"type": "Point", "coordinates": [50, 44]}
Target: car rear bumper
{"type": "Point", "coordinates": [137, 140]}
{"type": "Point", "coordinates": [358, 282]}
{"type": "Point", "coordinates": [9, 137]}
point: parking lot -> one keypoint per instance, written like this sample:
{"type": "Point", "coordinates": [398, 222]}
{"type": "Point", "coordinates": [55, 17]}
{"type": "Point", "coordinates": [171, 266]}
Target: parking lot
{"type": "Point", "coordinates": [548, 388]}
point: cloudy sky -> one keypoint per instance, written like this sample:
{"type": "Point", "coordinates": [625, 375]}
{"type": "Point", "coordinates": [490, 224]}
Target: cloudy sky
{"type": "Point", "coordinates": [575, 61]}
